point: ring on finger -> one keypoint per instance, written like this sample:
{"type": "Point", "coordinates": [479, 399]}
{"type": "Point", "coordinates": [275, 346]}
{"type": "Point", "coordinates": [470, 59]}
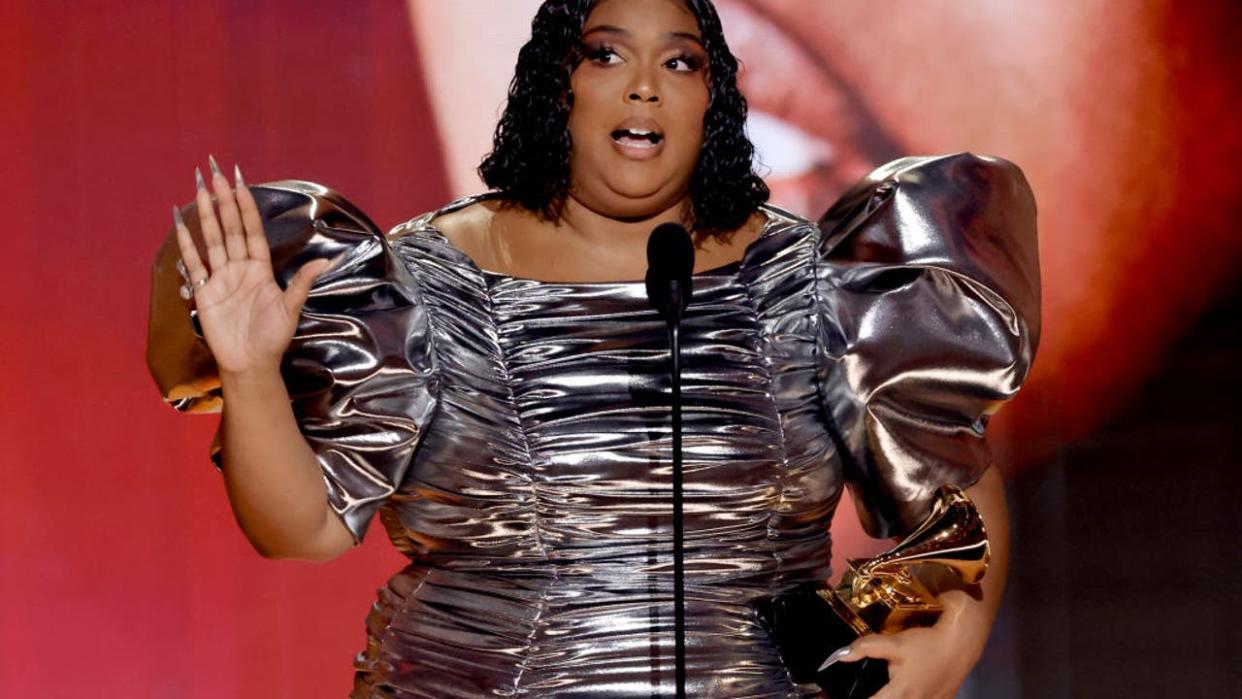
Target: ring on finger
{"type": "Point", "coordinates": [187, 290]}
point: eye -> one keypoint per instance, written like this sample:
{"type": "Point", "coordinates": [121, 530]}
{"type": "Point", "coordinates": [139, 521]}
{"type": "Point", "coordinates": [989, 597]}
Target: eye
{"type": "Point", "coordinates": [685, 63]}
{"type": "Point", "coordinates": [604, 55]}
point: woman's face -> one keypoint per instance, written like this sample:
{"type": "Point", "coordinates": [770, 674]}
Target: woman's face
{"type": "Point", "coordinates": [639, 96]}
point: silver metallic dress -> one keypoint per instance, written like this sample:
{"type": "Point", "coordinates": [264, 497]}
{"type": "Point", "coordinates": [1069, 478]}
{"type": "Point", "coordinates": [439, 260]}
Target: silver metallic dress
{"type": "Point", "coordinates": [514, 434]}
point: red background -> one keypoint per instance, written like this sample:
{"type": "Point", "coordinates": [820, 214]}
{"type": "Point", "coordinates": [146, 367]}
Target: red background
{"type": "Point", "coordinates": [122, 572]}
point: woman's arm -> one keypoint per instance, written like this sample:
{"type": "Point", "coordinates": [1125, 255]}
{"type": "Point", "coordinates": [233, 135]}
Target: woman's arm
{"type": "Point", "coordinates": [274, 483]}
{"type": "Point", "coordinates": [971, 612]}
{"type": "Point", "coordinates": [933, 662]}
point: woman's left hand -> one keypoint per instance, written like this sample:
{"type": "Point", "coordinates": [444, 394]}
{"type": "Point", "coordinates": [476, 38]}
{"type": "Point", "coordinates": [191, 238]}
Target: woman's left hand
{"type": "Point", "coordinates": [933, 662]}
{"type": "Point", "coordinates": [923, 663]}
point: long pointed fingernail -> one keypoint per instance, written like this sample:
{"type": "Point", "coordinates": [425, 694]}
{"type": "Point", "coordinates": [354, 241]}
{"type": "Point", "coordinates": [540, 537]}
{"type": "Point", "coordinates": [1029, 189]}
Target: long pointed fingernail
{"type": "Point", "coordinates": [335, 261]}
{"type": "Point", "coordinates": [834, 658]}
{"type": "Point", "coordinates": [215, 169]}
{"type": "Point", "coordinates": [180, 222]}
{"type": "Point", "coordinates": [237, 178]}
{"type": "Point", "coordinates": [198, 180]}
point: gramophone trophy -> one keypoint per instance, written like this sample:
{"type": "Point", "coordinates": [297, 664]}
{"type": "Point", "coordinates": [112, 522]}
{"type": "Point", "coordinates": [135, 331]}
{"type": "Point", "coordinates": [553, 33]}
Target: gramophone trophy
{"type": "Point", "coordinates": [876, 595]}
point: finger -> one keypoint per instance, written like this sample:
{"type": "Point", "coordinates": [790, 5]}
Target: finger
{"type": "Point", "coordinates": [194, 268]}
{"type": "Point", "coordinates": [256, 239]}
{"type": "Point", "coordinates": [871, 646]}
{"type": "Point", "coordinates": [890, 691]}
{"type": "Point", "coordinates": [299, 287]}
{"type": "Point", "coordinates": [230, 220]}
{"type": "Point", "coordinates": [216, 256]}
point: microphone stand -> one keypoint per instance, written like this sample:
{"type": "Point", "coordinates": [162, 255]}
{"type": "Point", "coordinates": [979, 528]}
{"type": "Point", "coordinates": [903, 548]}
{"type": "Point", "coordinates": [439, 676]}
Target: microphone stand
{"type": "Point", "coordinates": [679, 557]}
{"type": "Point", "coordinates": [670, 271]}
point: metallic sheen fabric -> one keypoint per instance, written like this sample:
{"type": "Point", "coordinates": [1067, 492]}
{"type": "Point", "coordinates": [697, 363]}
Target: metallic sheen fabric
{"type": "Point", "coordinates": [513, 434]}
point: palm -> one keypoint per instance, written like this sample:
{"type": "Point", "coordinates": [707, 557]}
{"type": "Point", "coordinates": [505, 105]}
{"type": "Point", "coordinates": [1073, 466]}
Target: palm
{"type": "Point", "coordinates": [246, 318]}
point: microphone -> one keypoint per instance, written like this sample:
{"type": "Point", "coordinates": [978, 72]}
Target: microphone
{"type": "Point", "coordinates": [670, 264]}
{"type": "Point", "coordinates": [670, 267]}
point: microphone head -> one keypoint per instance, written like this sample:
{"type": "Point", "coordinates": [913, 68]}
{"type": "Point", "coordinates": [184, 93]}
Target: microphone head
{"type": "Point", "coordinates": [670, 250]}
{"type": "Point", "coordinates": [670, 258]}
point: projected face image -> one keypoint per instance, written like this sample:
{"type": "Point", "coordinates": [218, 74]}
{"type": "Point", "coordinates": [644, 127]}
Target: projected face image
{"type": "Point", "coordinates": [813, 135]}
{"type": "Point", "coordinates": [837, 88]}
{"type": "Point", "coordinates": [1076, 92]}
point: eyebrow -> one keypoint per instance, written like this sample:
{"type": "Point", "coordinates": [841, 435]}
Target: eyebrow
{"type": "Point", "coordinates": [611, 29]}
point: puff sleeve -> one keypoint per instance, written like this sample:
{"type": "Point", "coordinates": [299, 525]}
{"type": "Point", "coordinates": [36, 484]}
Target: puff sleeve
{"type": "Point", "coordinates": [928, 289]}
{"type": "Point", "coordinates": [359, 369]}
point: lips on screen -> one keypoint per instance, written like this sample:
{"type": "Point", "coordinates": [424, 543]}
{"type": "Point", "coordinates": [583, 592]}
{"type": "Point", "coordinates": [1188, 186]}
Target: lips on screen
{"type": "Point", "coordinates": [813, 132]}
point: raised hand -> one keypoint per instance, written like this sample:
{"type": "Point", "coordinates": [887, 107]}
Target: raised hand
{"type": "Point", "coordinates": [247, 320]}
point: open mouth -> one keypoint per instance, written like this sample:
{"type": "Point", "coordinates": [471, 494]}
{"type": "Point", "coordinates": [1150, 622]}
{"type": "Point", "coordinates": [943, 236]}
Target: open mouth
{"type": "Point", "coordinates": [637, 138]}
{"type": "Point", "coordinates": [813, 132]}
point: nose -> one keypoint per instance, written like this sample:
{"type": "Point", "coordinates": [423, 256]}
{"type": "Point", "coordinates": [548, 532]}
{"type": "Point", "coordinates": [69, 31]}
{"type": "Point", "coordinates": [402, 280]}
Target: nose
{"type": "Point", "coordinates": [642, 88]}
{"type": "Point", "coordinates": [641, 95]}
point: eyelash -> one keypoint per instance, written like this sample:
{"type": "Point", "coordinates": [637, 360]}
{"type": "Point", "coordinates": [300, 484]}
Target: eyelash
{"type": "Point", "coordinates": [693, 63]}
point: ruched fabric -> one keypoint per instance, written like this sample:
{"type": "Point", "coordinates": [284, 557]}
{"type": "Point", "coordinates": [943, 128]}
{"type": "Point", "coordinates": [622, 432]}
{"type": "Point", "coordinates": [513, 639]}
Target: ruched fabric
{"type": "Point", "coordinates": [929, 298]}
{"type": "Point", "coordinates": [533, 421]}
{"type": "Point", "coordinates": [359, 367]}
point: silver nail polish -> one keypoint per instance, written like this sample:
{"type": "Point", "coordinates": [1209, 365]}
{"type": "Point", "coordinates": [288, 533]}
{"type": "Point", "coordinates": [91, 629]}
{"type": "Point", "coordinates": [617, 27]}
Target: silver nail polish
{"type": "Point", "coordinates": [332, 264]}
{"type": "Point", "coordinates": [198, 180]}
{"type": "Point", "coordinates": [834, 658]}
{"type": "Point", "coordinates": [215, 169]}
{"type": "Point", "coordinates": [237, 178]}
{"type": "Point", "coordinates": [180, 222]}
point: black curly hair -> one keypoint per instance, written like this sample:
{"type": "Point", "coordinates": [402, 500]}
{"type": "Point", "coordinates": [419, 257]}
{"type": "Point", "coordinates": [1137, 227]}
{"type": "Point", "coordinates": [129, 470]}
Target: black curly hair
{"type": "Point", "coordinates": [529, 162]}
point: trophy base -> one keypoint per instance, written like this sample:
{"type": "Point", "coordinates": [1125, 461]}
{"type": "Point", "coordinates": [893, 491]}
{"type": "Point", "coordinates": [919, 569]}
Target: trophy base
{"type": "Point", "coordinates": [806, 629]}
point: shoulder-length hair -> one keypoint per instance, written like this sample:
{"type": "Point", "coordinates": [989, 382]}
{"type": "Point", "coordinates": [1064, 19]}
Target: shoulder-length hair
{"type": "Point", "coordinates": [529, 162]}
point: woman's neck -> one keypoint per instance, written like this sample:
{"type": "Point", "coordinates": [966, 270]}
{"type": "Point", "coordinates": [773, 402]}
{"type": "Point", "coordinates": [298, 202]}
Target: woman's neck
{"type": "Point", "coordinates": [597, 229]}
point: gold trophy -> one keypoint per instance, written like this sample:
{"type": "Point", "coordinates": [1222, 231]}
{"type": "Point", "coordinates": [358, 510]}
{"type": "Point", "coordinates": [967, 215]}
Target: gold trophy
{"type": "Point", "coordinates": [876, 595]}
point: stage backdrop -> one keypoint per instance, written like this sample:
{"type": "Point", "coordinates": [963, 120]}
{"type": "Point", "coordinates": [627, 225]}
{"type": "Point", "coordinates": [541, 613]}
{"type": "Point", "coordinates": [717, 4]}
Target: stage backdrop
{"type": "Point", "coordinates": [122, 572]}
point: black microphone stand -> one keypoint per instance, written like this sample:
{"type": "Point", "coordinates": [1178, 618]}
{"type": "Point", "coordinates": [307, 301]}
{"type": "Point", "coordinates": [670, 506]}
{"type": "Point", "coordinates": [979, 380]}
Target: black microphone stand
{"type": "Point", "coordinates": [679, 554]}
{"type": "Point", "coordinates": [670, 268]}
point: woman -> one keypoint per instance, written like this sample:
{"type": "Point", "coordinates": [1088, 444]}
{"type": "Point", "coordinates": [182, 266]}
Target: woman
{"type": "Point", "coordinates": [489, 378]}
